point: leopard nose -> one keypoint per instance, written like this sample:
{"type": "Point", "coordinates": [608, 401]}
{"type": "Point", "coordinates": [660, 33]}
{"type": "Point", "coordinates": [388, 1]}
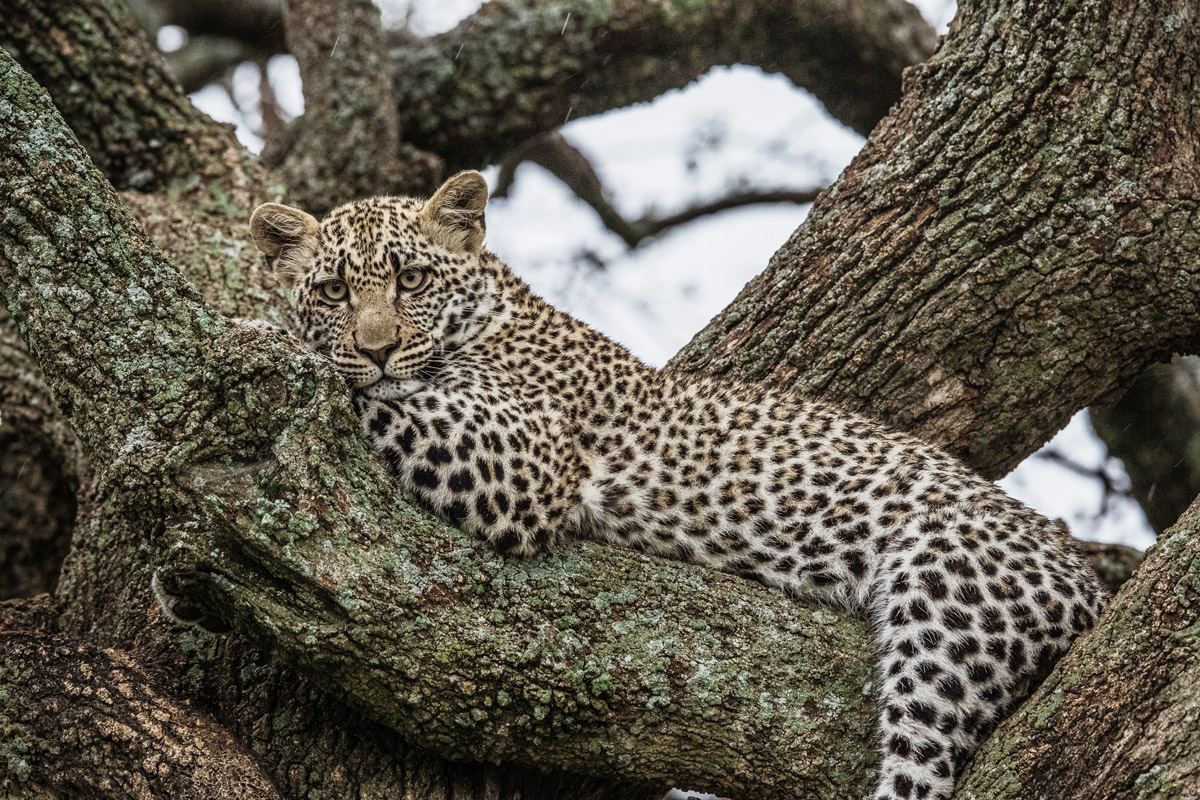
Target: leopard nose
{"type": "Point", "coordinates": [379, 355]}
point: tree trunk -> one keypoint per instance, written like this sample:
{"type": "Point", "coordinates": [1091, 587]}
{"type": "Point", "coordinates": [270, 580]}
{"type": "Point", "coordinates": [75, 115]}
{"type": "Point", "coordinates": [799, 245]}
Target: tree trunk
{"type": "Point", "coordinates": [1038, 179]}
{"type": "Point", "coordinates": [1155, 430]}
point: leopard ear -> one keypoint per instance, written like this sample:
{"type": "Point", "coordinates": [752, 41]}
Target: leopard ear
{"type": "Point", "coordinates": [287, 237]}
{"type": "Point", "coordinates": [454, 215]}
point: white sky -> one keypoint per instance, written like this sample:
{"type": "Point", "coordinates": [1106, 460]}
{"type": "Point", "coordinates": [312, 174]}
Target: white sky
{"type": "Point", "coordinates": [734, 125]}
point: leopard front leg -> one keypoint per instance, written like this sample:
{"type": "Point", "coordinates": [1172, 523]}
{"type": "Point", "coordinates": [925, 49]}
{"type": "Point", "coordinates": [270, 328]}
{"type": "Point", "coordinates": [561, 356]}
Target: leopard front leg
{"type": "Point", "coordinates": [502, 473]}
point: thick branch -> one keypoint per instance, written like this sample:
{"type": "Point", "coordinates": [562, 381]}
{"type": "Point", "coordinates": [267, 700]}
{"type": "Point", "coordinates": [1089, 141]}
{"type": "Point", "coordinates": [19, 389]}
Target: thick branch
{"type": "Point", "coordinates": [129, 737]}
{"type": "Point", "coordinates": [136, 124]}
{"type": "Point", "coordinates": [348, 143]}
{"type": "Point", "coordinates": [108, 82]}
{"type": "Point", "coordinates": [104, 583]}
{"type": "Point", "coordinates": [520, 68]}
{"type": "Point", "coordinates": [1036, 180]}
{"type": "Point", "coordinates": [269, 501]}
{"type": "Point", "coordinates": [1155, 430]}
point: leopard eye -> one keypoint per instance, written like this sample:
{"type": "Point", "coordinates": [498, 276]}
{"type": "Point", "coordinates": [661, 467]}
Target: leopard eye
{"type": "Point", "coordinates": [334, 291]}
{"type": "Point", "coordinates": [412, 279]}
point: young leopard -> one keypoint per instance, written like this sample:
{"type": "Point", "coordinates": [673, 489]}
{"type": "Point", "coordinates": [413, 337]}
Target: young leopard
{"type": "Point", "coordinates": [515, 421]}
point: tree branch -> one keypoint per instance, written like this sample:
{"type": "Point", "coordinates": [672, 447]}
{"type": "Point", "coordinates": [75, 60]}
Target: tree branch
{"type": "Point", "coordinates": [526, 68]}
{"type": "Point", "coordinates": [256, 23]}
{"type": "Point", "coordinates": [1001, 194]}
{"type": "Point", "coordinates": [136, 121]}
{"type": "Point", "coordinates": [136, 740]}
{"type": "Point", "coordinates": [1155, 430]}
{"type": "Point", "coordinates": [849, 53]}
{"type": "Point", "coordinates": [566, 162]}
{"type": "Point", "coordinates": [128, 112]}
{"type": "Point", "coordinates": [348, 142]}
{"type": "Point", "coordinates": [104, 581]}
{"type": "Point", "coordinates": [209, 59]}
{"type": "Point", "coordinates": [648, 227]}
{"type": "Point", "coordinates": [406, 617]}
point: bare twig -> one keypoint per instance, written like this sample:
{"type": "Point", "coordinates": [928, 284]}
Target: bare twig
{"type": "Point", "coordinates": [566, 162]}
{"type": "Point", "coordinates": [1110, 486]}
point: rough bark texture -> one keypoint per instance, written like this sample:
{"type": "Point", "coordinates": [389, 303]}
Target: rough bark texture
{"type": "Point", "coordinates": [849, 53]}
{"type": "Point", "coordinates": [1155, 430]}
{"type": "Point", "coordinates": [1038, 178]}
{"type": "Point", "coordinates": [1117, 717]}
{"type": "Point", "coordinates": [348, 142]}
{"type": "Point", "coordinates": [138, 128]}
{"type": "Point", "coordinates": [130, 737]}
{"type": "Point", "coordinates": [198, 185]}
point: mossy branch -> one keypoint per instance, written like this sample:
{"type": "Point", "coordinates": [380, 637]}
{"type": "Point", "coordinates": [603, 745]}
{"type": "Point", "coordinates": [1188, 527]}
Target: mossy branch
{"type": "Point", "coordinates": [1035, 181]}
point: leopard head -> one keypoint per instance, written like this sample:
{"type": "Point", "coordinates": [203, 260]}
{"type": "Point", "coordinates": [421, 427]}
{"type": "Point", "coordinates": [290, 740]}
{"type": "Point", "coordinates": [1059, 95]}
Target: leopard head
{"type": "Point", "coordinates": [384, 285]}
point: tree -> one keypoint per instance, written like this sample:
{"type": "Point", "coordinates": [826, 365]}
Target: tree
{"type": "Point", "coordinates": [1017, 240]}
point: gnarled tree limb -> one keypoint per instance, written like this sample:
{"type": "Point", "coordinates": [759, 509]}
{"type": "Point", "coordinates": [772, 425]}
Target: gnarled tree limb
{"type": "Point", "coordinates": [131, 737]}
{"type": "Point", "coordinates": [528, 66]}
{"type": "Point", "coordinates": [1036, 179]}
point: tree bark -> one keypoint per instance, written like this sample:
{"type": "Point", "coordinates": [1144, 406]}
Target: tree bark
{"type": "Point", "coordinates": [42, 469]}
{"type": "Point", "coordinates": [348, 142]}
{"type": "Point", "coordinates": [190, 183]}
{"type": "Point", "coordinates": [130, 736]}
{"type": "Point", "coordinates": [198, 222]}
{"type": "Point", "coordinates": [1155, 430]}
{"type": "Point", "coordinates": [1039, 179]}
{"type": "Point", "coordinates": [138, 128]}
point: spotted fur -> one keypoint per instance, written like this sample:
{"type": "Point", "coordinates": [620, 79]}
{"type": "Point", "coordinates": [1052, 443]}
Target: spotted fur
{"type": "Point", "coordinates": [516, 421]}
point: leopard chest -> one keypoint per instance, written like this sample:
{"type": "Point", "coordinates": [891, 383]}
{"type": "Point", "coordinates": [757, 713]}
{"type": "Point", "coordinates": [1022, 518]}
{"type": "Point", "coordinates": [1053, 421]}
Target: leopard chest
{"type": "Point", "coordinates": [480, 459]}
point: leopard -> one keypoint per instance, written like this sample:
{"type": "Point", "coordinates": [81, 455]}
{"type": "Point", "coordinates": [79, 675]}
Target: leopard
{"type": "Point", "coordinates": [521, 424]}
